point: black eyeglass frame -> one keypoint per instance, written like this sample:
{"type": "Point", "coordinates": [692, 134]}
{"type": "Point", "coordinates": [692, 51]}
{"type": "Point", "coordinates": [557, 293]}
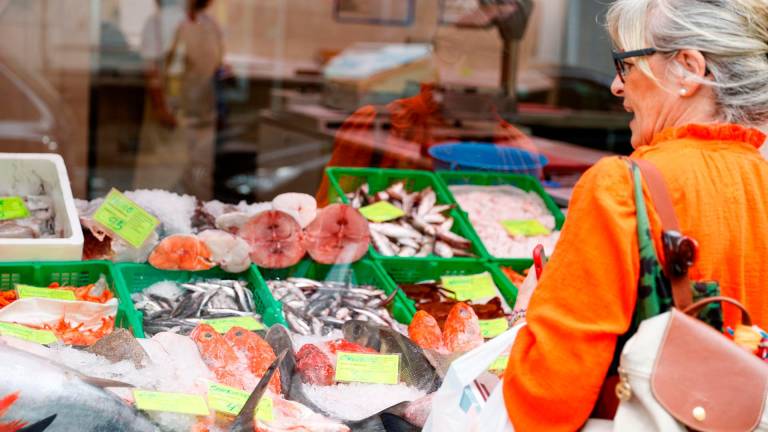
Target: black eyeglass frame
{"type": "Point", "coordinates": [619, 57]}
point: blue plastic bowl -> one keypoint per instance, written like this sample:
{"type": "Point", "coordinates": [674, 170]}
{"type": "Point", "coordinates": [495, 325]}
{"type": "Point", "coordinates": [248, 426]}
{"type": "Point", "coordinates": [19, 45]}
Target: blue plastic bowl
{"type": "Point", "coordinates": [478, 156]}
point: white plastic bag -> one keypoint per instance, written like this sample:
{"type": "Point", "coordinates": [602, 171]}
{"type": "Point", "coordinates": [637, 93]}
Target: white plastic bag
{"type": "Point", "coordinates": [465, 402]}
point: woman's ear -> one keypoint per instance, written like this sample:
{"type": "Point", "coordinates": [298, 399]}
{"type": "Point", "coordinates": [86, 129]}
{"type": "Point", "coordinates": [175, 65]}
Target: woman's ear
{"type": "Point", "coordinates": [694, 66]}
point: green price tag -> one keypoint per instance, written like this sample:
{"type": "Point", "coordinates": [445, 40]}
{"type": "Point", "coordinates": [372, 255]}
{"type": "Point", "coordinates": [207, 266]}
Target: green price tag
{"type": "Point", "coordinates": [222, 325]}
{"type": "Point", "coordinates": [170, 402]}
{"type": "Point", "coordinates": [382, 211]}
{"type": "Point", "coordinates": [526, 228]}
{"type": "Point", "coordinates": [230, 400]}
{"type": "Point", "coordinates": [12, 208]}
{"type": "Point", "coordinates": [43, 337]}
{"type": "Point", "coordinates": [500, 364]}
{"type": "Point", "coordinates": [125, 218]}
{"type": "Point", "coordinates": [27, 291]}
{"type": "Point", "coordinates": [493, 327]}
{"type": "Point", "coordinates": [368, 368]}
{"type": "Point", "coordinates": [472, 287]}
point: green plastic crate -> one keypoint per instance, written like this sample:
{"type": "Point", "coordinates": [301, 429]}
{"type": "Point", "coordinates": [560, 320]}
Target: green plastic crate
{"type": "Point", "coordinates": [363, 272]}
{"type": "Point", "coordinates": [404, 270]}
{"type": "Point", "coordinates": [71, 273]}
{"type": "Point", "coordinates": [345, 180]}
{"type": "Point", "coordinates": [484, 178]}
{"type": "Point", "coordinates": [137, 277]}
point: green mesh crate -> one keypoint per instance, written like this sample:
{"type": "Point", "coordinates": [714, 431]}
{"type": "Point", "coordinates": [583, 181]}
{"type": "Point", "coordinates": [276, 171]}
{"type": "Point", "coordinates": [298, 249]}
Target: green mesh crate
{"type": "Point", "coordinates": [484, 178]}
{"type": "Point", "coordinates": [363, 272]}
{"type": "Point", "coordinates": [71, 273]}
{"type": "Point", "coordinates": [346, 180]}
{"type": "Point", "coordinates": [405, 271]}
{"type": "Point", "coordinates": [137, 277]}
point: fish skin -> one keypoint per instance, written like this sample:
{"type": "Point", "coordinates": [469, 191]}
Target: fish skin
{"type": "Point", "coordinates": [257, 351]}
{"type": "Point", "coordinates": [218, 355]}
{"type": "Point", "coordinates": [46, 388]}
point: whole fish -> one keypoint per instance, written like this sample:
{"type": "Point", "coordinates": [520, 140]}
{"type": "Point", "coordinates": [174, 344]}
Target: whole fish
{"type": "Point", "coordinates": [47, 391]}
{"type": "Point", "coordinates": [178, 308]}
{"type": "Point", "coordinates": [425, 222]}
{"type": "Point", "coordinates": [317, 308]}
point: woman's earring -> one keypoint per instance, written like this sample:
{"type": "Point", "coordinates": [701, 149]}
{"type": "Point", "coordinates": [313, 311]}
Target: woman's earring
{"type": "Point", "coordinates": [683, 91]}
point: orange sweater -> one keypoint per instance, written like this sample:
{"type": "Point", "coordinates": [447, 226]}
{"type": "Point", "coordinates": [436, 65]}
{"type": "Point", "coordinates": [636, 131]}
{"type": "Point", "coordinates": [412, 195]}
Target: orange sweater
{"type": "Point", "coordinates": [586, 296]}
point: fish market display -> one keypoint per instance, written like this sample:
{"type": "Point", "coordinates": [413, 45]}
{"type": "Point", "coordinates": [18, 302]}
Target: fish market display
{"type": "Point", "coordinates": [274, 238]}
{"type": "Point", "coordinates": [488, 206]}
{"type": "Point", "coordinates": [461, 332]}
{"type": "Point", "coordinates": [338, 235]}
{"type": "Point", "coordinates": [432, 298]}
{"type": "Point", "coordinates": [317, 308]}
{"type": "Point", "coordinates": [222, 359]}
{"type": "Point", "coordinates": [292, 416]}
{"type": "Point", "coordinates": [257, 353]}
{"type": "Point", "coordinates": [181, 252]}
{"type": "Point", "coordinates": [168, 306]}
{"type": "Point", "coordinates": [357, 401]}
{"type": "Point", "coordinates": [82, 321]}
{"type": "Point", "coordinates": [40, 393]}
{"type": "Point", "coordinates": [424, 230]}
{"type": "Point", "coordinates": [40, 223]}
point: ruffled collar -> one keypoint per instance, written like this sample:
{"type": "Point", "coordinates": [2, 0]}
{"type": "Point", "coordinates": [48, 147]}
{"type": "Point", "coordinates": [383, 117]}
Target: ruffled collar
{"type": "Point", "coordinates": [712, 132]}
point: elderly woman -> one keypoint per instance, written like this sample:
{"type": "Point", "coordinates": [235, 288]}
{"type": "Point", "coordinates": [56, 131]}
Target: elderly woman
{"type": "Point", "coordinates": [695, 75]}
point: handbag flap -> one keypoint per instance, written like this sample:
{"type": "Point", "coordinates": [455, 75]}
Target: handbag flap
{"type": "Point", "coordinates": [706, 381]}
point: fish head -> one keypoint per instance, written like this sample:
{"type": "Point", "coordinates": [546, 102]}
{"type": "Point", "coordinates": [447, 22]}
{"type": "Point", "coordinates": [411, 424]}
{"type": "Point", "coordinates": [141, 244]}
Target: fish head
{"type": "Point", "coordinates": [205, 336]}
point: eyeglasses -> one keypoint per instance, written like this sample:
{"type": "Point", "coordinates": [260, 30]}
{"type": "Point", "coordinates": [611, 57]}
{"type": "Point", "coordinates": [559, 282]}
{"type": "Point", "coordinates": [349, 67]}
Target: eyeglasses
{"type": "Point", "coordinates": [619, 57]}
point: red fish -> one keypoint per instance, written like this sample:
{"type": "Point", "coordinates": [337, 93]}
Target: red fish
{"type": "Point", "coordinates": [181, 252]}
{"type": "Point", "coordinates": [257, 351]}
{"type": "Point", "coordinates": [218, 355]}
{"type": "Point", "coordinates": [314, 366]}
{"type": "Point", "coordinates": [5, 405]}
{"type": "Point", "coordinates": [425, 331]}
{"type": "Point", "coordinates": [346, 346]}
{"type": "Point", "coordinates": [462, 329]}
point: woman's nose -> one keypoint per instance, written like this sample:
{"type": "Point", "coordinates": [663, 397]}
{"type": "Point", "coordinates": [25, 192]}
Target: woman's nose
{"type": "Point", "coordinates": [617, 87]}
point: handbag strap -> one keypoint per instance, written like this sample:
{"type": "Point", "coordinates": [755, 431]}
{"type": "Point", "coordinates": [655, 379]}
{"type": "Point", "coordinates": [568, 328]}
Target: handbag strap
{"type": "Point", "coordinates": [662, 201]}
{"type": "Point", "coordinates": [696, 307]}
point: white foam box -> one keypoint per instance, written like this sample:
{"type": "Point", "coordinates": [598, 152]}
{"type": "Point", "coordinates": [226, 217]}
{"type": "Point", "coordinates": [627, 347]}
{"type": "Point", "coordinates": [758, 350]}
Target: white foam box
{"type": "Point", "coordinates": [23, 174]}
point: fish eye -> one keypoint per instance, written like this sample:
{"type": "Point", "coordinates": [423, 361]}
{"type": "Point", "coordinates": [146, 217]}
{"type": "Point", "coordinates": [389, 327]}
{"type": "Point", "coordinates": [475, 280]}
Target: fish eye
{"type": "Point", "coordinates": [207, 335]}
{"type": "Point", "coordinates": [238, 333]}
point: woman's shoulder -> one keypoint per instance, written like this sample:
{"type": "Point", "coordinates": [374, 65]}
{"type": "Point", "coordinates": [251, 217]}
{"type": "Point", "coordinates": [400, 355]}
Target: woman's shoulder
{"type": "Point", "coordinates": [608, 179]}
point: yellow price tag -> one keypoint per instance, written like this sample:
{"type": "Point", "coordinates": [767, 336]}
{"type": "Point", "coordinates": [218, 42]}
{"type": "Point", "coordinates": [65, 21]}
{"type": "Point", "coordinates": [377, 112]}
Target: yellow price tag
{"type": "Point", "coordinates": [42, 337]}
{"type": "Point", "coordinates": [471, 287]}
{"type": "Point", "coordinates": [230, 400]}
{"type": "Point", "coordinates": [500, 364]}
{"type": "Point", "coordinates": [493, 327]}
{"type": "Point", "coordinates": [222, 325]}
{"type": "Point", "coordinates": [381, 211]}
{"type": "Point", "coordinates": [368, 368]}
{"type": "Point", "coordinates": [526, 228]}
{"type": "Point", "coordinates": [27, 291]}
{"type": "Point", "coordinates": [170, 402]}
{"type": "Point", "coordinates": [126, 219]}
{"type": "Point", "coordinates": [13, 208]}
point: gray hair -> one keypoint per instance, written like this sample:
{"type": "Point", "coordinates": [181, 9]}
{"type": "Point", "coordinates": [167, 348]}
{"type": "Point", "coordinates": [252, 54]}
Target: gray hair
{"type": "Point", "coordinates": [731, 34]}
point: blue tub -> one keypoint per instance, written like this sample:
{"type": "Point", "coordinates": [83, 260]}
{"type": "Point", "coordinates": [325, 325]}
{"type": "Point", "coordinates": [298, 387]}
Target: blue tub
{"type": "Point", "coordinates": [478, 156]}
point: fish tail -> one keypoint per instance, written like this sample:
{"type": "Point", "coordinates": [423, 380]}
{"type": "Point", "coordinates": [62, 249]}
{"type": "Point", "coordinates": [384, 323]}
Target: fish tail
{"type": "Point", "coordinates": [6, 402]}
{"type": "Point", "coordinates": [13, 426]}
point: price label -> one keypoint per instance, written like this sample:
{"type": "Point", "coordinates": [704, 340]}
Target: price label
{"type": "Point", "coordinates": [368, 368]}
{"type": "Point", "coordinates": [42, 337]}
{"type": "Point", "coordinates": [500, 364]}
{"type": "Point", "coordinates": [493, 327]}
{"type": "Point", "coordinates": [170, 402]}
{"type": "Point", "coordinates": [27, 291]}
{"type": "Point", "coordinates": [230, 400]}
{"type": "Point", "coordinates": [381, 211]}
{"type": "Point", "coordinates": [12, 208]}
{"type": "Point", "coordinates": [525, 228]}
{"type": "Point", "coordinates": [125, 218]}
{"type": "Point", "coordinates": [472, 287]}
{"type": "Point", "coordinates": [222, 325]}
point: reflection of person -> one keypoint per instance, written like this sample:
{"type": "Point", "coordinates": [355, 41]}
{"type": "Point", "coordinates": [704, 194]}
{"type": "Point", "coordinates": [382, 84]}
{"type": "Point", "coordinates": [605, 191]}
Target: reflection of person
{"type": "Point", "coordinates": [157, 163]}
{"type": "Point", "coordinates": [416, 119]}
{"type": "Point", "coordinates": [697, 82]}
{"type": "Point", "coordinates": [179, 152]}
{"type": "Point", "coordinates": [200, 43]}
